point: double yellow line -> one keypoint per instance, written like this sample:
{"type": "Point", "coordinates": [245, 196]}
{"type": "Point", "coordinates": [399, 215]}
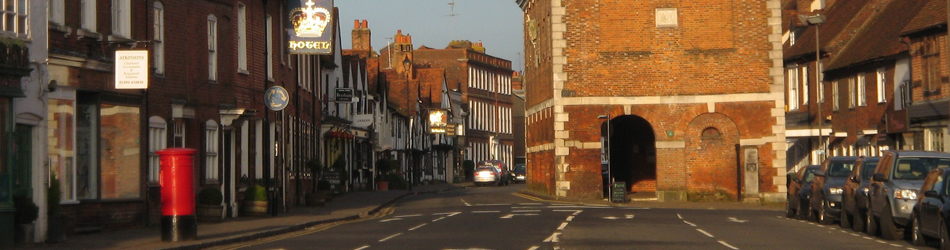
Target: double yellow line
{"type": "Point", "coordinates": [318, 228]}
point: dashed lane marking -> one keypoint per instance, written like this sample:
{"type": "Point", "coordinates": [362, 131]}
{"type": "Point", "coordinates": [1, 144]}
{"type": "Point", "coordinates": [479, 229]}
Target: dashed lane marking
{"type": "Point", "coordinates": [417, 227]}
{"type": "Point", "coordinates": [727, 245]}
{"type": "Point", "coordinates": [525, 211]}
{"type": "Point", "coordinates": [407, 216]}
{"type": "Point", "coordinates": [570, 218]}
{"type": "Point", "coordinates": [390, 237]}
{"type": "Point", "coordinates": [534, 248]}
{"type": "Point", "coordinates": [563, 225]}
{"type": "Point", "coordinates": [362, 247]}
{"type": "Point", "coordinates": [553, 237]}
{"type": "Point", "coordinates": [485, 212]}
{"type": "Point", "coordinates": [706, 233]}
{"type": "Point", "coordinates": [689, 223]}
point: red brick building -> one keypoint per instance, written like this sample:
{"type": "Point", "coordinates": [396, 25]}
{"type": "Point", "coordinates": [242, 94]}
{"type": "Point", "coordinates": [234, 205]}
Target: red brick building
{"type": "Point", "coordinates": [693, 90]}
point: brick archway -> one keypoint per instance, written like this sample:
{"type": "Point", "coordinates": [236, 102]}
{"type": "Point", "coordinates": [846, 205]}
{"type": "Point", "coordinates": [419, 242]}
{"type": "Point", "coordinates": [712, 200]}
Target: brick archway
{"type": "Point", "coordinates": [632, 152]}
{"type": "Point", "coordinates": [711, 141]}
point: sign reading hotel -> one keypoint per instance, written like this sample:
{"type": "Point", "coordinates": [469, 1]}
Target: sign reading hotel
{"type": "Point", "coordinates": [131, 69]}
{"type": "Point", "coordinates": [311, 23]}
{"type": "Point", "coordinates": [438, 121]}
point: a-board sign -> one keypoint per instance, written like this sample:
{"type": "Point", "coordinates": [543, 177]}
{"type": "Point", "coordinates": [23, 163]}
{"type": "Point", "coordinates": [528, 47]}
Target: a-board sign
{"type": "Point", "coordinates": [618, 192]}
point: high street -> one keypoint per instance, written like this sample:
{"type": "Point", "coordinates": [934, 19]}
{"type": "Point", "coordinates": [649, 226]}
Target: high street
{"type": "Point", "coordinates": [502, 218]}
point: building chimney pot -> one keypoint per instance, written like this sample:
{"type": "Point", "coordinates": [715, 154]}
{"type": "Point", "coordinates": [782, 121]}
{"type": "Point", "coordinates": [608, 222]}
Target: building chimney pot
{"type": "Point", "coordinates": [356, 24]}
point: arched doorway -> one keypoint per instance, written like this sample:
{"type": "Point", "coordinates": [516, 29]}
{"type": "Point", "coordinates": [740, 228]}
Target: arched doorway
{"type": "Point", "coordinates": [632, 152]}
{"type": "Point", "coordinates": [711, 156]}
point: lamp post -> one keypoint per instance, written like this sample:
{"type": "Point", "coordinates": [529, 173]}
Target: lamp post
{"type": "Point", "coordinates": [406, 63]}
{"type": "Point", "coordinates": [607, 151]}
{"type": "Point", "coordinates": [816, 20]}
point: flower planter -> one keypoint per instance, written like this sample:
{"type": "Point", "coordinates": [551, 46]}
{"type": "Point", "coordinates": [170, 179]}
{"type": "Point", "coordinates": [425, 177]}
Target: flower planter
{"type": "Point", "coordinates": [254, 208]}
{"type": "Point", "coordinates": [209, 213]}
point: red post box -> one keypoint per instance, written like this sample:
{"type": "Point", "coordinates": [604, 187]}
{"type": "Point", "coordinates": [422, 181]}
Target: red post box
{"type": "Point", "coordinates": [176, 178]}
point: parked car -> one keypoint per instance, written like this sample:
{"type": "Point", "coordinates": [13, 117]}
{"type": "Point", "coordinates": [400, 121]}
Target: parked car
{"type": "Point", "coordinates": [520, 173]}
{"type": "Point", "coordinates": [799, 189]}
{"type": "Point", "coordinates": [894, 187]}
{"type": "Point", "coordinates": [929, 219]}
{"type": "Point", "coordinates": [487, 175]}
{"type": "Point", "coordinates": [827, 187]}
{"type": "Point", "coordinates": [854, 203]}
{"type": "Point", "coordinates": [504, 170]}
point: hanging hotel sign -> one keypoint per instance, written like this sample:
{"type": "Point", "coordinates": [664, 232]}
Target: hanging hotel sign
{"type": "Point", "coordinates": [344, 95]}
{"type": "Point", "coordinates": [131, 69]}
{"type": "Point", "coordinates": [311, 23]}
{"type": "Point", "coordinates": [438, 121]}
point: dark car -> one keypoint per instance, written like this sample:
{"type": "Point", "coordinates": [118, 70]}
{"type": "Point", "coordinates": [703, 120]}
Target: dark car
{"type": "Point", "coordinates": [520, 173]}
{"type": "Point", "coordinates": [894, 186]}
{"type": "Point", "coordinates": [855, 198]}
{"type": "Point", "coordinates": [799, 188]}
{"type": "Point", "coordinates": [827, 187]}
{"type": "Point", "coordinates": [929, 219]}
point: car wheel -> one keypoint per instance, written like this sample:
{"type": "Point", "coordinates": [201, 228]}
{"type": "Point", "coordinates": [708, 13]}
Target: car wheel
{"type": "Point", "coordinates": [944, 236]}
{"type": "Point", "coordinates": [789, 212]}
{"type": "Point", "coordinates": [889, 230]}
{"type": "Point", "coordinates": [871, 223]}
{"type": "Point", "coordinates": [845, 219]}
{"type": "Point", "coordinates": [917, 237]}
{"type": "Point", "coordinates": [857, 224]}
{"type": "Point", "coordinates": [823, 217]}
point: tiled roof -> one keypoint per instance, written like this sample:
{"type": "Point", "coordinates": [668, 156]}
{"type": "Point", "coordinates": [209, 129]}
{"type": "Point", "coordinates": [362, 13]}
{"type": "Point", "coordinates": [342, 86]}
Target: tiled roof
{"type": "Point", "coordinates": [879, 38]}
{"type": "Point", "coordinates": [840, 17]}
{"type": "Point", "coordinates": [933, 14]}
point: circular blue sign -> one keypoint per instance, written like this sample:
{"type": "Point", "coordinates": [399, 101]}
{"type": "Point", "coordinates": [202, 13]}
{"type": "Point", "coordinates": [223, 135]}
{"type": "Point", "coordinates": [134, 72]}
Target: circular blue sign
{"type": "Point", "coordinates": [276, 98]}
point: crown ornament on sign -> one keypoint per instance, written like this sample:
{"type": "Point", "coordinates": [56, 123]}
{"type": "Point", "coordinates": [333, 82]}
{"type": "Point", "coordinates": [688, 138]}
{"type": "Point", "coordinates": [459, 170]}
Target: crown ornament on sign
{"type": "Point", "coordinates": [310, 21]}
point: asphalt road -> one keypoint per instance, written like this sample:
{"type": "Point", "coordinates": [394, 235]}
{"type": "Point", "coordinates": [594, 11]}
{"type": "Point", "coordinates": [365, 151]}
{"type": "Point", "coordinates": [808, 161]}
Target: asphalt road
{"type": "Point", "coordinates": [498, 218]}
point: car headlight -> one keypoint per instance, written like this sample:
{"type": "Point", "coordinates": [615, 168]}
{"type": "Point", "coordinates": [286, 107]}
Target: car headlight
{"type": "Point", "coordinates": [910, 194]}
{"type": "Point", "coordinates": [865, 190]}
{"type": "Point", "coordinates": [835, 190]}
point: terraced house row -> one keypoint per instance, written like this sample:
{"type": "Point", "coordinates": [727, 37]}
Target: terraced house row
{"type": "Point", "coordinates": [224, 78]}
{"type": "Point", "coordinates": [863, 77]}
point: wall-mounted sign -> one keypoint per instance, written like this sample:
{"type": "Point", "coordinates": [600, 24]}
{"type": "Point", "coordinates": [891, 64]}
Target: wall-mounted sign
{"type": "Point", "coordinates": [362, 121]}
{"type": "Point", "coordinates": [131, 69]}
{"type": "Point", "coordinates": [276, 98]}
{"type": "Point", "coordinates": [344, 95]}
{"type": "Point", "coordinates": [311, 26]}
{"type": "Point", "coordinates": [438, 121]}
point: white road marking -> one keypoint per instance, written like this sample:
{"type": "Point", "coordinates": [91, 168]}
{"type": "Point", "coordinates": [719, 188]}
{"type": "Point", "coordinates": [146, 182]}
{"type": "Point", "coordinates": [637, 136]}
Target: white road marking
{"type": "Point", "coordinates": [509, 216]}
{"type": "Point", "coordinates": [866, 238]}
{"type": "Point", "coordinates": [895, 245]}
{"type": "Point", "coordinates": [856, 235]}
{"type": "Point", "coordinates": [530, 204]}
{"type": "Point", "coordinates": [552, 238]}
{"type": "Point", "coordinates": [534, 248]}
{"type": "Point", "coordinates": [466, 203]}
{"type": "Point", "coordinates": [485, 212]}
{"type": "Point", "coordinates": [390, 237]}
{"type": "Point", "coordinates": [689, 223]}
{"type": "Point", "coordinates": [407, 216]}
{"type": "Point", "coordinates": [733, 219]}
{"type": "Point", "coordinates": [570, 218]}
{"type": "Point", "coordinates": [362, 247]}
{"type": "Point", "coordinates": [706, 233]}
{"type": "Point", "coordinates": [449, 214]}
{"type": "Point", "coordinates": [578, 212]}
{"type": "Point", "coordinates": [881, 241]}
{"type": "Point", "coordinates": [611, 218]}
{"type": "Point", "coordinates": [679, 216]}
{"type": "Point", "coordinates": [496, 204]}
{"type": "Point", "coordinates": [629, 216]}
{"type": "Point", "coordinates": [563, 225]}
{"type": "Point", "coordinates": [388, 220]}
{"type": "Point", "coordinates": [417, 227]}
{"type": "Point", "coordinates": [727, 245]}
{"type": "Point", "coordinates": [438, 219]}
{"type": "Point", "coordinates": [525, 211]}
{"type": "Point", "coordinates": [556, 210]}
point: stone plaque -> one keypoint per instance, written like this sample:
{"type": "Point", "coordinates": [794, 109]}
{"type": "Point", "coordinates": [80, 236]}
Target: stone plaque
{"type": "Point", "coordinates": [666, 17]}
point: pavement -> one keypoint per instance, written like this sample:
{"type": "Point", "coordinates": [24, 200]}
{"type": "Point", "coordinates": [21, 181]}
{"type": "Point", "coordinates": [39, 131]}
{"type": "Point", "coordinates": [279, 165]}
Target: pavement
{"type": "Point", "coordinates": [349, 206]}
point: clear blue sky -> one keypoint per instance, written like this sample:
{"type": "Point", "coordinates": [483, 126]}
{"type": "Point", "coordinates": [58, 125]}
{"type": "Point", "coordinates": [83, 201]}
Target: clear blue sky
{"type": "Point", "coordinates": [497, 23]}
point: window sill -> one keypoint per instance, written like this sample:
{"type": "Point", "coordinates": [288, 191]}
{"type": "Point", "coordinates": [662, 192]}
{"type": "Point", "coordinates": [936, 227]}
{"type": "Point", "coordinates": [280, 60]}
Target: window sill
{"type": "Point", "coordinates": [119, 39]}
{"type": "Point", "coordinates": [212, 82]}
{"type": "Point", "coordinates": [270, 79]}
{"type": "Point", "coordinates": [244, 72]}
{"type": "Point", "coordinates": [88, 34]}
{"type": "Point", "coordinates": [59, 27]}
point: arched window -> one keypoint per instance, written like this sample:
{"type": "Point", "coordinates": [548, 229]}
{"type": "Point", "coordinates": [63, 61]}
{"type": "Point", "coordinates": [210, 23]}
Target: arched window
{"type": "Point", "coordinates": [711, 133]}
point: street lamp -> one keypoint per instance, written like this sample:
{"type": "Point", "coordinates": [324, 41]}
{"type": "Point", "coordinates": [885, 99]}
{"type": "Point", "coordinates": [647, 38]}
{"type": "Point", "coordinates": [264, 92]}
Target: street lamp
{"type": "Point", "coordinates": [816, 20]}
{"type": "Point", "coordinates": [607, 151]}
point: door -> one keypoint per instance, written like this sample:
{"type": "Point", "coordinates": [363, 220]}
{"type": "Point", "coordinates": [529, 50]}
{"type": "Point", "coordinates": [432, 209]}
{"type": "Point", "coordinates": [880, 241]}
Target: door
{"type": "Point", "coordinates": [22, 160]}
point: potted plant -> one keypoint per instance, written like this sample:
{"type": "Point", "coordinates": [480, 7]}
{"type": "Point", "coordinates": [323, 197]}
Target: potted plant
{"type": "Point", "coordinates": [26, 214]}
{"type": "Point", "coordinates": [57, 221]}
{"type": "Point", "coordinates": [209, 204]}
{"type": "Point", "coordinates": [383, 168]}
{"type": "Point", "coordinates": [255, 201]}
{"type": "Point", "coordinates": [317, 197]}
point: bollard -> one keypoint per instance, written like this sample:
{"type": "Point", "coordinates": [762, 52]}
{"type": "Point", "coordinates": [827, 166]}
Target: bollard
{"type": "Point", "coordinates": [176, 178]}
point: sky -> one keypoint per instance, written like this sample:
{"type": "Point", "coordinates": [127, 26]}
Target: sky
{"type": "Point", "coordinates": [498, 24]}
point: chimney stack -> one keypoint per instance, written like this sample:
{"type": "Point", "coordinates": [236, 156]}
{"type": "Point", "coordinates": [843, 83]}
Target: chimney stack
{"type": "Point", "coordinates": [361, 36]}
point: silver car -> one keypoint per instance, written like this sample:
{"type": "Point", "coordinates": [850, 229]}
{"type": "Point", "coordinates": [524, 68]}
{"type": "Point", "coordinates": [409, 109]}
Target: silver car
{"type": "Point", "coordinates": [894, 188]}
{"type": "Point", "coordinates": [487, 175]}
